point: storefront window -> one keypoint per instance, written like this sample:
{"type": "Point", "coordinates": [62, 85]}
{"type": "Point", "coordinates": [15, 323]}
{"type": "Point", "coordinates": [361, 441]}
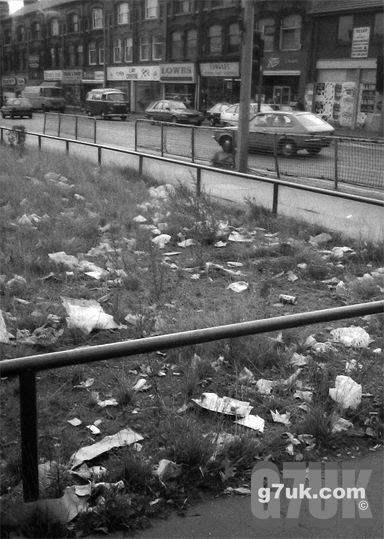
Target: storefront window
{"type": "Point", "coordinates": [191, 44]}
{"type": "Point", "coordinates": [128, 57]}
{"type": "Point", "coordinates": [215, 39]}
{"type": "Point", "coordinates": [97, 18]}
{"type": "Point", "coordinates": [144, 48]}
{"type": "Point", "coordinates": [123, 13]}
{"type": "Point", "coordinates": [157, 47]}
{"type": "Point", "coordinates": [344, 30]}
{"type": "Point", "coordinates": [53, 57]}
{"type": "Point", "coordinates": [92, 53]}
{"type": "Point", "coordinates": [233, 37]}
{"type": "Point", "coordinates": [176, 46]}
{"type": "Point", "coordinates": [117, 51]}
{"type": "Point", "coordinates": [290, 39]}
{"type": "Point", "coordinates": [55, 29]}
{"type": "Point", "coordinates": [101, 52]}
{"type": "Point", "coordinates": [267, 29]}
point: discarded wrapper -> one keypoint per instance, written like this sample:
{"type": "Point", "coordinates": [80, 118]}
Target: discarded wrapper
{"type": "Point", "coordinates": [346, 392]}
{"type": "Point", "coordinates": [223, 405]}
{"type": "Point", "coordinates": [353, 336]}
{"type": "Point", "coordinates": [284, 298]}
{"type": "Point", "coordinates": [167, 469]}
{"type": "Point", "coordinates": [252, 422]}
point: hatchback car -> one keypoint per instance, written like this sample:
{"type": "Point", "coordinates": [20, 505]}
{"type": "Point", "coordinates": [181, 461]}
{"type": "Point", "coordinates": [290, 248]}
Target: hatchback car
{"type": "Point", "coordinates": [169, 110]}
{"type": "Point", "coordinates": [17, 106]}
{"type": "Point", "coordinates": [231, 115]}
{"type": "Point", "coordinates": [290, 131]}
{"type": "Point", "coordinates": [213, 114]}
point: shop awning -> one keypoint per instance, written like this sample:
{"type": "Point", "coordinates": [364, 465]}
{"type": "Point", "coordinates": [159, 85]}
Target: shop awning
{"type": "Point", "coordinates": [287, 73]}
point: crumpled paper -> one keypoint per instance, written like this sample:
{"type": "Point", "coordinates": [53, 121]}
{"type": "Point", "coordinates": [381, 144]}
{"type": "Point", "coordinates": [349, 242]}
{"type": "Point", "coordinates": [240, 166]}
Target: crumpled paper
{"type": "Point", "coordinates": [223, 405]}
{"type": "Point", "coordinates": [354, 336]}
{"type": "Point", "coordinates": [346, 392]}
{"type": "Point", "coordinates": [86, 315]}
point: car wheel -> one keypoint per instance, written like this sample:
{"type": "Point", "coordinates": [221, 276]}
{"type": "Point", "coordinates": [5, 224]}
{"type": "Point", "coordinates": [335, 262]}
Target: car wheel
{"type": "Point", "coordinates": [174, 120]}
{"type": "Point", "coordinates": [313, 151]}
{"type": "Point", "coordinates": [226, 144]}
{"type": "Point", "coordinates": [212, 122]}
{"type": "Point", "coordinates": [123, 118]}
{"type": "Point", "coordinates": [152, 118]}
{"type": "Point", "coordinates": [288, 148]}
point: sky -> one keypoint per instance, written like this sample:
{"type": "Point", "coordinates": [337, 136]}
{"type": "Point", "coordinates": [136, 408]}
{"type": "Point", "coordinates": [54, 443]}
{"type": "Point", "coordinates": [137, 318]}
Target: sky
{"type": "Point", "coordinates": [14, 5]}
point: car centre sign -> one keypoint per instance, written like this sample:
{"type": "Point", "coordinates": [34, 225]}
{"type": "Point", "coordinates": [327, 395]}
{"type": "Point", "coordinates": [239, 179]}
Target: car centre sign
{"type": "Point", "coordinates": [133, 73]}
{"type": "Point", "coordinates": [177, 73]}
{"type": "Point", "coordinates": [220, 69]}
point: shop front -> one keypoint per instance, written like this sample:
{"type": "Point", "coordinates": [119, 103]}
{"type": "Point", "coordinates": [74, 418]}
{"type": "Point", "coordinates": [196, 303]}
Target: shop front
{"type": "Point", "coordinates": [12, 85]}
{"type": "Point", "coordinates": [282, 82]}
{"type": "Point", "coordinates": [140, 83]}
{"type": "Point", "coordinates": [70, 81]}
{"type": "Point", "coordinates": [179, 80]}
{"type": "Point", "coordinates": [219, 82]}
{"type": "Point", "coordinates": [90, 81]}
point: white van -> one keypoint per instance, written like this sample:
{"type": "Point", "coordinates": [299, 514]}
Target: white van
{"type": "Point", "coordinates": [45, 98]}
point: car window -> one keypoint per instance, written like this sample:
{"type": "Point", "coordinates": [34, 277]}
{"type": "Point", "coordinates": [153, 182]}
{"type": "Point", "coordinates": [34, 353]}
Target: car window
{"type": "Point", "coordinates": [116, 97]}
{"type": "Point", "coordinates": [175, 105]}
{"type": "Point", "coordinates": [232, 109]}
{"type": "Point", "coordinates": [258, 121]}
{"type": "Point", "coordinates": [310, 120]}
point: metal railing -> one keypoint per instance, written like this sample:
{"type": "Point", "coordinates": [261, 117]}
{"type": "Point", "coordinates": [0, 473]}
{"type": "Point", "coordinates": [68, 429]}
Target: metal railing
{"type": "Point", "coordinates": [354, 161]}
{"type": "Point", "coordinates": [70, 125]}
{"type": "Point", "coordinates": [27, 367]}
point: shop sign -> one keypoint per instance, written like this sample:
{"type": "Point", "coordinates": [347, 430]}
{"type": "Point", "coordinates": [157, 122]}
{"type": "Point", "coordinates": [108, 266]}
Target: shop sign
{"type": "Point", "coordinates": [99, 75]}
{"type": "Point", "coordinates": [177, 73]}
{"type": "Point", "coordinates": [20, 81]}
{"type": "Point", "coordinates": [72, 76]}
{"type": "Point", "coordinates": [220, 69]}
{"type": "Point", "coordinates": [360, 42]}
{"type": "Point", "coordinates": [8, 81]}
{"type": "Point", "coordinates": [53, 74]}
{"type": "Point", "coordinates": [33, 61]}
{"type": "Point", "coordinates": [133, 73]}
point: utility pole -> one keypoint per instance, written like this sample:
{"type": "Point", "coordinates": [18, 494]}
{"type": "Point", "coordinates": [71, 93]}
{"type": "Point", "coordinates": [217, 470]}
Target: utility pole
{"type": "Point", "coordinates": [246, 30]}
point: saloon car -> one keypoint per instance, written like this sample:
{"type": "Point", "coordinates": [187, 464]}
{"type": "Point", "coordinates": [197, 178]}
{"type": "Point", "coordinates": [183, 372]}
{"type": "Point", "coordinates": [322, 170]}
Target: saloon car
{"type": "Point", "coordinates": [169, 110]}
{"type": "Point", "coordinates": [231, 115]}
{"type": "Point", "coordinates": [17, 106]}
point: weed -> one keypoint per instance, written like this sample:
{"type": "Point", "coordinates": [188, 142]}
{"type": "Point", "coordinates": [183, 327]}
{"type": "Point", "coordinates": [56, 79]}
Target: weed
{"type": "Point", "coordinates": [136, 473]}
{"type": "Point", "coordinates": [241, 453]}
{"type": "Point", "coordinates": [317, 422]}
{"type": "Point", "coordinates": [41, 524]}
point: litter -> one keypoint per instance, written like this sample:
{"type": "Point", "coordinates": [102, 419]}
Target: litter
{"type": "Point", "coordinates": [238, 286]}
{"type": "Point", "coordinates": [83, 490]}
{"type": "Point", "coordinates": [281, 418]}
{"type": "Point", "coordinates": [141, 385]}
{"type": "Point", "coordinates": [161, 240]}
{"type": "Point", "coordinates": [306, 396]}
{"type": "Point", "coordinates": [4, 337]}
{"type": "Point", "coordinates": [68, 261]}
{"type": "Point", "coordinates": [104, 403]}
{"type": "Point", "coordinates": [303, 266]}
{"type": "Point", "coordinates": [85, 384]}
{"type": "Point", "coordinates": [346, 392]}
{"type": "Point", "coordinates": [94, 429]}
{"type": "Point", "coordinates": [352, 365]}
{"type": "Point", "coordinates": [75, 422]}
{"type": "Point", "coordinates": [353, 336]}
{"type": "Point", "coordinates": [86, 315]}
{"type": "Point", "coordinates": [235, 264]}
{"type": "Point", "coordinates": [284, 298]}
{"type": "Point", "coordinates": [339, 252]}
{"type": "Point", "coordinates": [298, 360]}
{"type": "Point", "coordinates": [223, 405]}
{"type": "Point", "coordinates": [186, 243]}
{"type": "Point", "coordinates": [292, 277]}
{"type": "Point", "coordinates": [16, 285]}
{"type": "Point", "coordinates": [139, 219]}
{"type": "Point", "coordinates": [167, 469]}
{"type": "Point", "coordinates": [238, 238]}
{"type": "Point", "coordinates": [320, 239]}
{"type": "Point", "coordinates": [252, 422]}
{"type": "Point", "coordinates": [341, 425]}
{"type": "Point", "coordinates": [120, 439]}
{"type": "Point", "coordinates": [220, 244]}
{"type": "Point", "coordinates": [377, 351]}
{"type": "Point", "coordinates": [246, 376]}
{"type": "Point", "coordinates": [265, 386]}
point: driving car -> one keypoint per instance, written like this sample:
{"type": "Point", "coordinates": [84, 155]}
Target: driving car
{"type": "Point", "coordinates": [17, 106]}
{"type": "Point", "coordinates": [231, 115]}
{"type": "Point", "coordinates": [169, 110]}
{"type": "Point", "coordinates": [213, 114]}
{"type": "Point", "coordinates": [290, 131]}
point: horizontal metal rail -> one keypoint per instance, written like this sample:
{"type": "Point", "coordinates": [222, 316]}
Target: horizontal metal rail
{"type": "Point", "coordinates": [198, 166]}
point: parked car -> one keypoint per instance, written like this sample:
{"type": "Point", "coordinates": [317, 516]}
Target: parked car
{"type": "Point", "coordinates": [231, 115]}
{"type": "Point", "coordinates": [169, 110]}
{"type": "Point", "coordinates": [293, 131]}
{"type": "Point", "coordinates": [17, 106]}
{"type": "Point", "coordinates": [213, 114]}
{"type": "Point", "coordinates": [107, 103]}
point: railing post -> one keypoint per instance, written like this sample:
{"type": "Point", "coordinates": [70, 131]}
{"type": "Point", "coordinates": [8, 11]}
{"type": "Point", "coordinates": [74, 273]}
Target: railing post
{"type": "Point", "coordinates": [198, 182]}
{"type": "Point", "coordinates": [67, 147]}
{"type": "Point", "coordinates": [140, 165]}
{"type": "Point", "coordinates": [99, 156]}
{"type": "Point", "coordinates": [59, 126]}
{"type": "Point", "coordinates": [162, 140]}
{"type": "Point", "coordinates": [94, 131]}
{"type": "Point", "coordinates": [193, 145]}
{"type": "Point", "coordinates": [136, 135]}
{"type": "Point", "coordinates": [39, 141]}
{"type": "Point", "coordinates": [28, 427]}
{"type": "Point", "coordinates": [275, 198]}
{"type": "Point", "coordinates": [336, 164]}
{"type": "Point", "coordinates": [45, 122]}
{"type": "Point", "coordinates": [1, 135]}
{"type": "Point", "coordinates": [277, 170]}
{"type": "Point", "coordinates": [76, 126]}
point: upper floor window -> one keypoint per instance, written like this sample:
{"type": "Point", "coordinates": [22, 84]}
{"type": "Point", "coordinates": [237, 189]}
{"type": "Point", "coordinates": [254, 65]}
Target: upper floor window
{"type": "Point", "coordinates": [74, 23]}
{"type": "Point", "coordinates": [176, 46]}
{"type": "Point", "coordinates": [80, 55]}
{"type": "Point", "coordinates": [36, 30]}
{"type": "Point", "coordinates": [92, 53]}
{"type": "Point", "coordinates": [123, 13]}
{"type": "Point", "coordinates": [222, 3]}
{"type": "Point", "coordinates": [55, 27]}
{"type": "Point", "coordinates": [378, 26]}
{"type": "Point", "coordinates": [233, 37]}
{"type": "Point", "coordinates": [97, 18]}
{"type": "Point", "coordinates": [101, 52]}
{"type": "Point", "coordinates": [266, 27]}
{"type": "Point", "coordinates": [7, 37]}
{"type": "Point", "coordinates": [290, 37]}
{"type": "Point", "coordinates": [183, 6]}
{"type": "Point", "coordinates": [157, 47]}
{"type": "Point", "coordinates": [345, 29]}
{"type": "Point", "coordinates": [71, 55]}
{"type": "Point", "coordinates": [215, 39]}
{"type": "Point", "coordinates": [191, 44]}
{"type": "Point", "coordinates": [117, 57]}
{"type": "Point", "coordinates": [144, 48]}
{"type": "Point", "coordinates": [20, 33]}
{"type": "Point", "coordinates": [128, 44]}
{"type": "Point", "coordinates": [151, 9]}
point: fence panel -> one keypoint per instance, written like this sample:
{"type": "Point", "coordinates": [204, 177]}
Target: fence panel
{"type": "Point", "coordinates": [177, 140]}
{"type": "Point", "coordinates": [66, 125]}
{"type": "Point", "coordinates": [205, 145]}
{"type": "Point", "coordinates": [361, 162]}
{"type": "Point", "coordinates": [86, 128]}
{"type": "Point", "coordinates": [51, 124]}
{"type": "Point", "coordinates": [148, 136]}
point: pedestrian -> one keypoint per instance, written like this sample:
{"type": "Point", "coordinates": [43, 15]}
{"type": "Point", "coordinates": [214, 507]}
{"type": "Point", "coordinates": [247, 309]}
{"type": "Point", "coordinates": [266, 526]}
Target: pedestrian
{"type": "Point", "coordinates": [224, 158]}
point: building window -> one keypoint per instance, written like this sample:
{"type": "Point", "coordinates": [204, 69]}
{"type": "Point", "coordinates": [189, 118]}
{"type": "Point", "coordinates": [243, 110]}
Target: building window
{"type": "Point", "coordinates": [157, 47]}
{"type": "Point", "coordinates": [80, 55]}
{"type": "Point", "coordinates": [74, 23]}
{"type": "Point", "coordinates": [176, 46]}
{"type": "Point", "coordinates": [191, 44]}
{"type": "Point", "coordinates": [117, 56]}
{"type": "Point", "coordinates": [183, 6]}
{"type": "Point", "coordinates": [128, 55]}
{"type": "Point", "coordinates": [234, 37]}
{"type": "Point", "coordinates": [122, 12]}
{"type": "Point", "coordinates": [36, 30]}
{"type": "Point", "coordinates": [290, 38]}
{"type": "Point", "coordinates": [97, 18]}
{"type": "Point", "coordinates": [378, 26]}
{"type": "Point", "coordinates": [222, 3]}
{"type": "Point", "coordinates": [266, 28]}
{"type": "Point", "coordinates": [7, 37]}
{"type": "Point", "coordinates": [71, 55]}
{"type": "Point", "coordinates": [344, 29]}
{"type": "Point", "coordinates": [20, 33]}
{"type": "Point", "coordinates": [151, 9]}
{"type": "Point", "coordinates": [101, 52]}
{"type": "Point", "coordinates": [215, 39]}
{"type": "Point", "coordinates": [144, 48]}
{"type": "Point", "coordinates": [55, 27]}
{"type": "Point", "coordinates": [92, 53]}
{"type": "Point", "coordinates": [53, 57]}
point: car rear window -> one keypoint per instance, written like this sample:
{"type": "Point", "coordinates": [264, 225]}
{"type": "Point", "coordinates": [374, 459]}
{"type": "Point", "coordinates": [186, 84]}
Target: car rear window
{"type": "Point", "coordinates": [310, 120]}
